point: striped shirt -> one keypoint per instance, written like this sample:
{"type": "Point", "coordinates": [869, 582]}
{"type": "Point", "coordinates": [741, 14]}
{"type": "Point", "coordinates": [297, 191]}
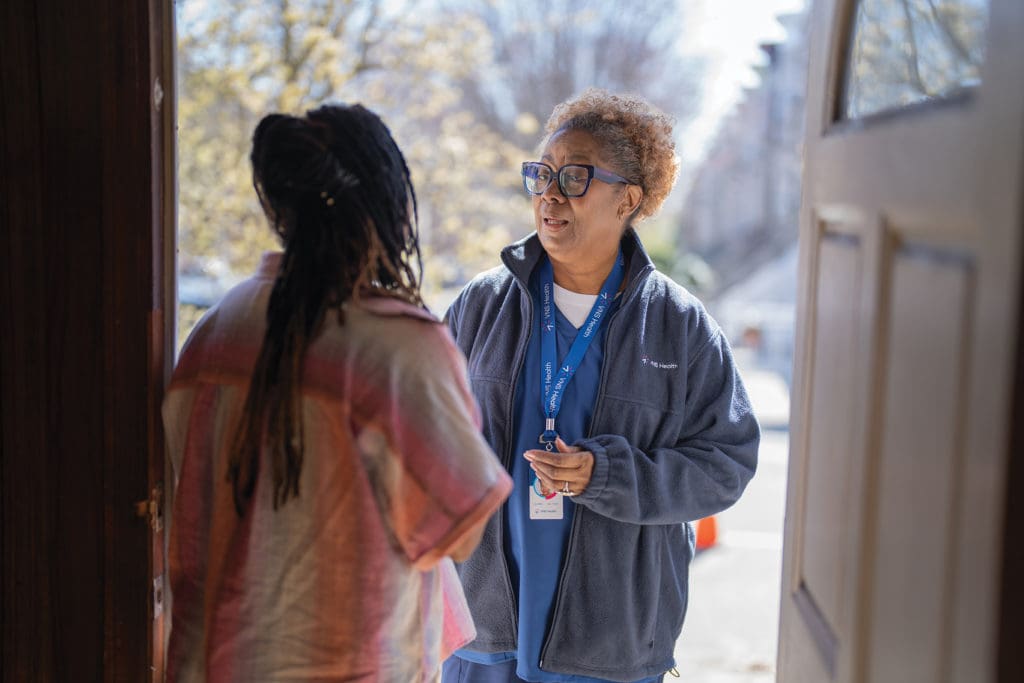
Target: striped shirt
{"type": "Point", "coordinates": [349, 581]}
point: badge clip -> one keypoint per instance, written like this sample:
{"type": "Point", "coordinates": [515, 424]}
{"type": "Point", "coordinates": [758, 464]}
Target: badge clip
{"type": "Point", "coordinates": [549, 434]}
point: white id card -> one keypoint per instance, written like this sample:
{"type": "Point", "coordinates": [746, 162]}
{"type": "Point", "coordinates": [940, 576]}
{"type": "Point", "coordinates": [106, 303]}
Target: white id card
{"type": "Point", "coordinates": [545, 508]}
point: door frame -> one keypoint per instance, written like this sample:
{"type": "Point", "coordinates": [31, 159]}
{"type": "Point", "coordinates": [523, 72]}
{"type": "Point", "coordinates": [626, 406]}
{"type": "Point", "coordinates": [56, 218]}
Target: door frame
{"type": "Point", "coordinates": [1010, 663]}
{"type": "Point", "coordinates": [87, 230]}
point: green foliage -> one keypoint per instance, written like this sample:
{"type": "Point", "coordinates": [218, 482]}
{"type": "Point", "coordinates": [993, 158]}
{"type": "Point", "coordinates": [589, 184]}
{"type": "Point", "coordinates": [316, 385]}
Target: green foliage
{"type": "Point", "coordinates": [691, 271]}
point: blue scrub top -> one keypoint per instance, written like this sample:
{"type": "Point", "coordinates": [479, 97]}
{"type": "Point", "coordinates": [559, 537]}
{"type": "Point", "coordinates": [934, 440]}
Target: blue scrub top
{"type": "Point", "coordinates": [535, 548]}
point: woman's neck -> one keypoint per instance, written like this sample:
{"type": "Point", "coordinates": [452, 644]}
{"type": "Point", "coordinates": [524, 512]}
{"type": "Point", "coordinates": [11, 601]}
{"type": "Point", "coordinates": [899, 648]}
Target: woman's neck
{"type": "Point", "coordinates": [583, 278]}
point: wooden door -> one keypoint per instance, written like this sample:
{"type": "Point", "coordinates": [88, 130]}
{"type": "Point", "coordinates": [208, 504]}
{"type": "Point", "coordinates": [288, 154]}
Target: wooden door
{"type": "Point", "coordinates": [86, 310]}
{"type": "Point", "coordinates": [906, 341]}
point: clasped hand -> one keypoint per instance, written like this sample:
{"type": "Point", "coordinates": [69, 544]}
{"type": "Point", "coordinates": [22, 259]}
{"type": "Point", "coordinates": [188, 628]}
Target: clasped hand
{"type": "Point", "coordinates": [568, 465]}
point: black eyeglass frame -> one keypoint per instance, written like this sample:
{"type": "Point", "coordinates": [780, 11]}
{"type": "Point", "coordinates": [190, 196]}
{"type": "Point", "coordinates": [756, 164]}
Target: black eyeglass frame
{"type": "Point", "coordinates": [592, 172]}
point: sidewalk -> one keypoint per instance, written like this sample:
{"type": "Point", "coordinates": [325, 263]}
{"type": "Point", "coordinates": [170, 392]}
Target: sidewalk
{"type": "Point", "coordinates": [731, 625]}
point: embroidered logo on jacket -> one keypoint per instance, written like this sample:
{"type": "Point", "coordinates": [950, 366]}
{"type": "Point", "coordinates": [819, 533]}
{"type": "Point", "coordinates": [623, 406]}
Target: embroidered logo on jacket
{"type": "Point", "coordinates": [661, 365]}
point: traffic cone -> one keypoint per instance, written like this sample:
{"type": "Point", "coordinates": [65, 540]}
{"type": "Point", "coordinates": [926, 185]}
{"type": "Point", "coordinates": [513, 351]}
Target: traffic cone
{"type": "Point", "coordinates": [707, 532]}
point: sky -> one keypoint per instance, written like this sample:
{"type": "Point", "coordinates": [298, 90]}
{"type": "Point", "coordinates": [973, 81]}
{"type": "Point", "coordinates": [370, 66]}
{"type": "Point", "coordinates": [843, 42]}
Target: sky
{"type": "Point", "coordinates": [727, 34]}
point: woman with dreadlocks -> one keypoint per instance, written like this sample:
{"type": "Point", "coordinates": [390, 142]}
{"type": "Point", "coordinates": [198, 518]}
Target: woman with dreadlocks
{"type": "Point", "coordinates": [326, 448]}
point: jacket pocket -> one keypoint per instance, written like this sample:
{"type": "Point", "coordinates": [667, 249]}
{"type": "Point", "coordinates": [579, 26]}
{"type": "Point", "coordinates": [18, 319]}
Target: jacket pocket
{"type": "Point", "coordinates": [643, 424]}
{"type": "Point", "coordinates": [677, 551]}
{"type": "Point", "coordinates": [623, 599]}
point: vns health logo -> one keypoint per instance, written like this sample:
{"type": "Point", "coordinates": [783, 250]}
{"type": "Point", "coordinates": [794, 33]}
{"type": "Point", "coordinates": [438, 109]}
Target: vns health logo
{"type": "Point", "coordinates": [661, 365]}
{"type": "Point", "coordinates": [596, 318]}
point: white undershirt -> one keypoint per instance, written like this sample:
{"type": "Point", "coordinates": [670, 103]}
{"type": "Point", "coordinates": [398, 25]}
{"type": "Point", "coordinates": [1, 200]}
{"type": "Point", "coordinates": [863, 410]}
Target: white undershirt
{"type": "Point", "coordinates": [574, 306]}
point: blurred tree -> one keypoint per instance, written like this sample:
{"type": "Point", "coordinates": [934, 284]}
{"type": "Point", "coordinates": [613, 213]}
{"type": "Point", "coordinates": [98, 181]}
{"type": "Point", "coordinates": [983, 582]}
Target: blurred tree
{"type": "Point", "coordinates": [239, 61]}
{"type": "Point", "coordinates": [463, 86]}
{"type": "Point", "coordinates": [687, 268]}
{"type": "Point", "coordinates": [544, 51]}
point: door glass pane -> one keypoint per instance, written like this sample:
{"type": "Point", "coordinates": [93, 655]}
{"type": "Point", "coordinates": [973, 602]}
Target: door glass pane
{"type": "Point", "coordinates": [904, 52]}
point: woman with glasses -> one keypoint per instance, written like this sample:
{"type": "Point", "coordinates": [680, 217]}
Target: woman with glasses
{"type": "Point", "coordinates": [612, 398]}
{"type": "Point", "coordinates": [327, 453]}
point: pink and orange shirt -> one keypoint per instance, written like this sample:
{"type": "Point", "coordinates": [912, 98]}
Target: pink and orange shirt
{"type": "Point", "coordinates": [351, 580]}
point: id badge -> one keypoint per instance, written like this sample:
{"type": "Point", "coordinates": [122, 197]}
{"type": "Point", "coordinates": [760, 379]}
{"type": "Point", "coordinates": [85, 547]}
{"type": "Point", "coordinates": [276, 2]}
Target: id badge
{"type": "Point", "coordinates": [544, 507]}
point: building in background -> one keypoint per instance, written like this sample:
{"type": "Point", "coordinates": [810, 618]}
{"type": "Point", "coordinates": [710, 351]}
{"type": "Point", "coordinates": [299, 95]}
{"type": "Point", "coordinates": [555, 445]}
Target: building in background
{"type": "Point", "coordinates": [741, 212]}
{"type": "Point", "coordinates": [742, 207]}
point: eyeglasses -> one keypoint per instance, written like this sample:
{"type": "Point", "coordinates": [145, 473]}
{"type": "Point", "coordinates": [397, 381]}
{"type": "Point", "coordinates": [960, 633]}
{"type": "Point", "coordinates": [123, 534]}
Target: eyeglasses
{"type": "Point", "coordinates": [573, 179]}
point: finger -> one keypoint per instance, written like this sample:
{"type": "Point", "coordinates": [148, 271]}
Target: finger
{"type": "Point", "coordinates": [575, 489]}
{"type": "Point", "coordinates": [559, 484]}
{"type": "Point", "coordinates": [555, 473]}
{"type": "Point", "coordinates": [572, 460]}
{"type": "Point", "coordinates": [544, 456]}
{"type": "Point", "coordinates": [547, 484]}
{"type": "Point", "coordinates": [541, 484]}
{"type": "Point", "coordinates": [543, 472]}
{"type": "Point", "coordinates": [563, 447]}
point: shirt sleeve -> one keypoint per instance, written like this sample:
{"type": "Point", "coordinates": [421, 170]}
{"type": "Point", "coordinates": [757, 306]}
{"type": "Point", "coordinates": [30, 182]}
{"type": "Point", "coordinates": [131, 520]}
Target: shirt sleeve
{"type": "Point", "coordinates": [434, 475]}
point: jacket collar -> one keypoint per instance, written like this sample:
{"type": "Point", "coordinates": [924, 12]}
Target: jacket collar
{"type": "Point", "coordinates": [523, 256]}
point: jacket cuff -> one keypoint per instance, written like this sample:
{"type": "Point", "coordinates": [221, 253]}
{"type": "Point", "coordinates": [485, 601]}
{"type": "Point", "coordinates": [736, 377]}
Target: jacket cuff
{"type": "Point", "coordinates": [599, 477]}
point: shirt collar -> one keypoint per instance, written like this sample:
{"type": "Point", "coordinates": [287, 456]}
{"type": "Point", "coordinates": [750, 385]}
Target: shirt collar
{"type": "Point", "coordinates": [270, 265]}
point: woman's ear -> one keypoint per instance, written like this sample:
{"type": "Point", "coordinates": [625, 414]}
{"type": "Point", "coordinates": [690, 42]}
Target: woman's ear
{"type": "Point", "coordinates": [630, 200]}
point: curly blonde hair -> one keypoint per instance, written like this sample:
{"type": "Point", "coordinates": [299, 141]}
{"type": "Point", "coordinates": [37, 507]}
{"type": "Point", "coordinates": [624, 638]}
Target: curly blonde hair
{"type": "Point", "coordinates": [635, 135]}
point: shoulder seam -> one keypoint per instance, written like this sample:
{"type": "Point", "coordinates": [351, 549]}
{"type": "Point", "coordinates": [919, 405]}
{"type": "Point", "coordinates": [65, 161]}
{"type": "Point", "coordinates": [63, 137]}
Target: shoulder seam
{"type": "Point", "coordinates": [714, 337]}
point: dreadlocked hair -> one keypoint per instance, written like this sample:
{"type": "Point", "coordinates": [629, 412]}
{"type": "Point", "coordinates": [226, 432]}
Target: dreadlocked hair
{"type": "Point", "coordinates": [338, 193]}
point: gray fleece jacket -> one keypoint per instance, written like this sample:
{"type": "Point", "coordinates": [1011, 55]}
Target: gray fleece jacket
{"type": "Point", "coordinates": [673, 438]}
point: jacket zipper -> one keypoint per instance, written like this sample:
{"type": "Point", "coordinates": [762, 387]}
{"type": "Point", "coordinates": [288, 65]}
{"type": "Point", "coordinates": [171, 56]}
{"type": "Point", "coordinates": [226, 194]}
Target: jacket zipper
{"type": "Point", "coordinates": [576, 509]}
{"type": "Point", "coordinates": [521, 358]}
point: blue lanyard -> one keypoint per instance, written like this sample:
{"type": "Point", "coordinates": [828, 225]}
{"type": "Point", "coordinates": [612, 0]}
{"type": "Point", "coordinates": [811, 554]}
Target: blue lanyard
{"type": "Point", "coordinates": [555, 382]}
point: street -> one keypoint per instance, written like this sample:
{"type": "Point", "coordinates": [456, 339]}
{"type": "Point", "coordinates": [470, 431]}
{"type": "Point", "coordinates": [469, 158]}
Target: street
{"type": "Point", "coordinates": [731, 625]}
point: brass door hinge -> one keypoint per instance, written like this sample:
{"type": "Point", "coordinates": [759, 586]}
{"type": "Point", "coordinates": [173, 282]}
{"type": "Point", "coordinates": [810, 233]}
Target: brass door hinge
{"type": "Point", "coordinates": [153, 508]}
